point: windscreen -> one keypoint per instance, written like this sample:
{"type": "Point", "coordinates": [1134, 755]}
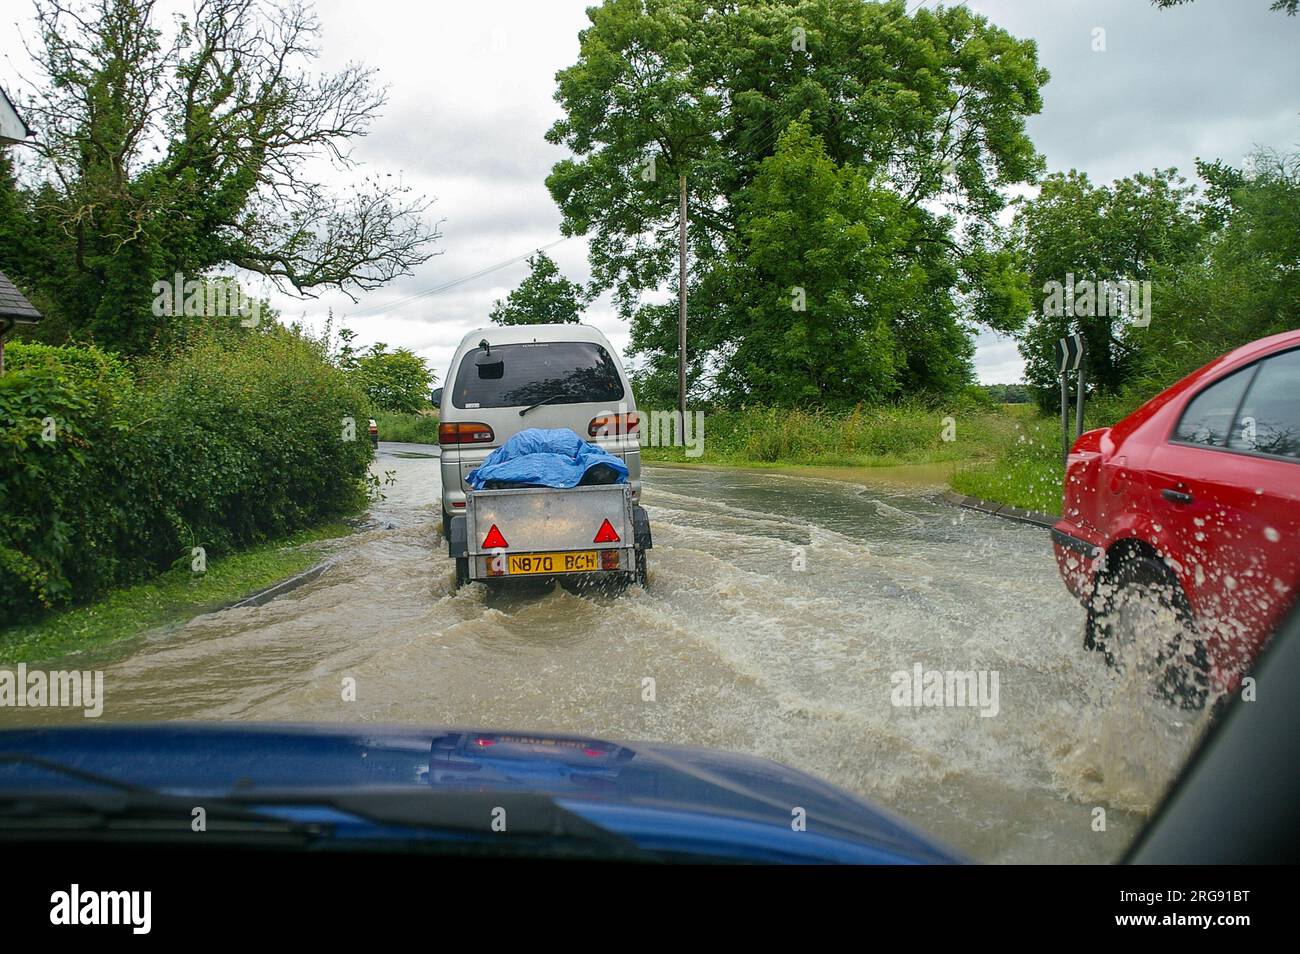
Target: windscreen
{"type": "Point", "coordinates": [565, 372]}
{"type": "Point", "coordinates": [793, 273]}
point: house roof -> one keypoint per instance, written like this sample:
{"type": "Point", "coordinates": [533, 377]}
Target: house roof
{"type": "Point", "coordinates": [13, 304]}
{"type": "Point", "coordinates": [13, 128]}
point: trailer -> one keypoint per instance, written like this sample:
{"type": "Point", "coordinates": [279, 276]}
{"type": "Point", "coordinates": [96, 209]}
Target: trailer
{"type": "Point", "coordinates": [531, 532]}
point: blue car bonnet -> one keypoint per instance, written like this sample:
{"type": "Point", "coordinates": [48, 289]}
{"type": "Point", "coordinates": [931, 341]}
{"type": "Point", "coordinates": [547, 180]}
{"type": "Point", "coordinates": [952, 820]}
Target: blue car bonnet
{"type": "Point", "coordinates": [546, 458]}
{"type": "Point", "coordinates": [662, 797]}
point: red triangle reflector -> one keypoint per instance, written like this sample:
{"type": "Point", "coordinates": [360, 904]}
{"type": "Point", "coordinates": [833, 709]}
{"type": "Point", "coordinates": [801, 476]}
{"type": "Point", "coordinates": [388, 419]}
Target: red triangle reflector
{"type": "Point", "coordinates": [606, 533]}
{"type": "Point", "coordinates": [494, 540]}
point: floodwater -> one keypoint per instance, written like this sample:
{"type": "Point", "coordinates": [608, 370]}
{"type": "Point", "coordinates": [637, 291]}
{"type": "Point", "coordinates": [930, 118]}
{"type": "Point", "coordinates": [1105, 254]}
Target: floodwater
{"type": "Point", "coordinates": [779, 609]}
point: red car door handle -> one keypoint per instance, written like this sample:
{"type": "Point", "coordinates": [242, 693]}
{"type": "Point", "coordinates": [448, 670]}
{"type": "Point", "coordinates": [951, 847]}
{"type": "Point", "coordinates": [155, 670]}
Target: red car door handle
{"type": "Point", "coordinates": [1176, 496]}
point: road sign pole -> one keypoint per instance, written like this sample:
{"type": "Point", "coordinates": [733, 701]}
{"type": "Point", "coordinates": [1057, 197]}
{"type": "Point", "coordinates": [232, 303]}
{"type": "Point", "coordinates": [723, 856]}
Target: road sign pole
{"type": "Point", "coordinates": [1065, 416]}
{"type": "Point", "coordinates": [1069, 355]}
{"type": "Point", "coordinates": [1078, 406]}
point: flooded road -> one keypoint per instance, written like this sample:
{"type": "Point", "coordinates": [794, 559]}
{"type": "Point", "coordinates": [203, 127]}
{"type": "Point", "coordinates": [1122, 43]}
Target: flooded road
{"type": "Point", "coordinates": [780, 607]}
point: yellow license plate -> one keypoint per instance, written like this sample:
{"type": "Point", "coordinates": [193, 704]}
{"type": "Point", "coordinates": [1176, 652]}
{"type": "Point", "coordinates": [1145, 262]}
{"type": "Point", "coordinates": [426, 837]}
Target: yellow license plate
{"type": "Point", "coordinates": [582, 561]}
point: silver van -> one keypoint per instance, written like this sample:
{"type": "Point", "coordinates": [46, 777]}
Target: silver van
{"type": "Point", "coordinates": [505, 379]}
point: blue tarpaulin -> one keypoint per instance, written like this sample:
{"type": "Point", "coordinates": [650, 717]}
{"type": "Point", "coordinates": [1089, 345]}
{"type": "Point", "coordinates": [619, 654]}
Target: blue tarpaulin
{"type": "Point", "coordinates": [545, 458]}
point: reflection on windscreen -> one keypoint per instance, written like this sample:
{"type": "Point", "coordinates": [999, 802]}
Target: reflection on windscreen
{"type": "Point", "coordinates": [575, 372]}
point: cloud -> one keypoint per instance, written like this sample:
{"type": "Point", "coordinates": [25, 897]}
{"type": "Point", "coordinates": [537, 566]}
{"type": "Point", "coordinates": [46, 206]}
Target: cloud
{"type": "Point", "coordinates": [998, 361]}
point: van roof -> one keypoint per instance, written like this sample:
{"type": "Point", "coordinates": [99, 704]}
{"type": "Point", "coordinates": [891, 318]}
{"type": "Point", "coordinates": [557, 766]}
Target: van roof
{"type": "Point", "coordinates": [518, 334]}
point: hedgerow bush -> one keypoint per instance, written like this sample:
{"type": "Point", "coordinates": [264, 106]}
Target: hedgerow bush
{"type": "Point", "coordinates": [109, 474]}
{"type": "Point", "coordinates": [62, 410]}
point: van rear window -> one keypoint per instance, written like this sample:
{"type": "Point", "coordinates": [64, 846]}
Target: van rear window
{"type": "Point", "coordinates": [569, 372]}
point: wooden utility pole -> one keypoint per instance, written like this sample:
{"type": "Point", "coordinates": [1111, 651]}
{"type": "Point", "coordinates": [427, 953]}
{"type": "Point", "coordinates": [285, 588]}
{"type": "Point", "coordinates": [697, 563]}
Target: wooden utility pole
{"type": "Point", "coordinates": [681, 299]}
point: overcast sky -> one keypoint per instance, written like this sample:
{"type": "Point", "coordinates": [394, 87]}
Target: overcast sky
{"type": "Point", "coordinates": [471, 89]}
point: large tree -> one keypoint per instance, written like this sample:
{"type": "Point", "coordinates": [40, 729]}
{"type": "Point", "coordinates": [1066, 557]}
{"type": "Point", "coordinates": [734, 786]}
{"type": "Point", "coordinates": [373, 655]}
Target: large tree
{"type": "Point", "coordinates": [545, 296]}
{"type": "Point", "coordinates": [395, 380]}
{"type": "Point", "coordinates": [199, 147]}
{"type": "Point", "coordinates": [1289, 7]}
{"type": "Point", "coordinates": [1144, 228]}
{"type": "Point", "coordinates": [1244, 284]}
{"type": "Point", "coordinates": [814, 294]}
{"type": "Point", "coordinates": [930, 108]}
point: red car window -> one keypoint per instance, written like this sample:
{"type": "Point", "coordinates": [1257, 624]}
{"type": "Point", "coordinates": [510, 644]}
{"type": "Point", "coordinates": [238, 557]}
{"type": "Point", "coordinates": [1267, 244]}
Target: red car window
{"type": "Point", "coordinates": [1208, 419]}
{"type": "Point", "coordinates": [1269, 420]}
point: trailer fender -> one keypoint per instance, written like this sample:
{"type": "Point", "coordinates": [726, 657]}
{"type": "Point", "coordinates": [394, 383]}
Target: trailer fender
{"type": "Point", "coordinates": [641, 529]}
{"type": "Point", "coordinates": [457, 541]}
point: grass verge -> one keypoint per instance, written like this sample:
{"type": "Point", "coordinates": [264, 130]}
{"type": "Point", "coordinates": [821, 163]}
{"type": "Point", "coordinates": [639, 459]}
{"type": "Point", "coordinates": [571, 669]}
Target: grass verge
{"type": "Point", "coordinates": [1008, 454]}
{"type": "Point", "coordinates": [407, 428]}
{"type": "Point", "coordinates": [875, 436]}
{"type": "Point", "coordinates": [1027, 471]}
{"type": "Point", "coordinates": [173, 596]}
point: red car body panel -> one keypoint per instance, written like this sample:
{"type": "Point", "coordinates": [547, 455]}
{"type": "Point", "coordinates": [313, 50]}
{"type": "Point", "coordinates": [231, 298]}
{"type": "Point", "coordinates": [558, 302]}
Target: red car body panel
{"type": "Point", "coordinates": [1233, 546]}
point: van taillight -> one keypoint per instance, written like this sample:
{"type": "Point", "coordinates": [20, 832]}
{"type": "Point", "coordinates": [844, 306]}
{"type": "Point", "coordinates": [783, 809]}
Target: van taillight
{"type": "Point", "coordinates": [608, 424]}
{"type": "Point", "coordinates": [462, 432]}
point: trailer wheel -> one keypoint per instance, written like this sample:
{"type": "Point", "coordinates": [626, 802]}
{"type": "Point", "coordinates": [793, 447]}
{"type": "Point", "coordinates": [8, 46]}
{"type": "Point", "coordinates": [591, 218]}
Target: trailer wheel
{"type": "Point", "coordinates": [462, 571]}
{"type": "Point", "coordinates": [641, 574]}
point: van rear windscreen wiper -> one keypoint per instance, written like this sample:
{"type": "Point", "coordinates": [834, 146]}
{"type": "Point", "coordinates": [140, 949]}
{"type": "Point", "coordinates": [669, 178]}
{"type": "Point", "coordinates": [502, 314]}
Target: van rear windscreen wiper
{"type": "Point", "coordinates": [553, 397]}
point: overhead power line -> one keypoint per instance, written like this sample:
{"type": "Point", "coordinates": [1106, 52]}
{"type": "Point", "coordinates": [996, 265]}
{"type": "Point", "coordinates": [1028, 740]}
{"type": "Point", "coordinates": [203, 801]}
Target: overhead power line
{"type": "Point", "coordinates": [770, 127]}
{"type": "Point", "coordinates": [446, 286]}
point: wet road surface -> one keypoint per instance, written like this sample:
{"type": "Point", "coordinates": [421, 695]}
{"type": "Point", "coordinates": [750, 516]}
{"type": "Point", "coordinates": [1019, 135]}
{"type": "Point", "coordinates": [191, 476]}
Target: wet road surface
{"type": "Point", "coordinates": [779, 611]}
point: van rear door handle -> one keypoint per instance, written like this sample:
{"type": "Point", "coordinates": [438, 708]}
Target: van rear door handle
{"type": "Point", "coordinates": [1176, 496]}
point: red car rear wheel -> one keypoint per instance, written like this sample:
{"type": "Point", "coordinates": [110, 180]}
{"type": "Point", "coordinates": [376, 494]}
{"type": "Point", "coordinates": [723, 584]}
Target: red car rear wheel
{"type": "Point", "coordinates": [1141, 617]}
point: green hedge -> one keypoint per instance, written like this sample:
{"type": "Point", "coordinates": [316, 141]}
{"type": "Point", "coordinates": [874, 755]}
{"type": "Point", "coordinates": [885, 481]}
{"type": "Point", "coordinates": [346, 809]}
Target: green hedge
{"type": "Point", "coordinates": [224, 444]}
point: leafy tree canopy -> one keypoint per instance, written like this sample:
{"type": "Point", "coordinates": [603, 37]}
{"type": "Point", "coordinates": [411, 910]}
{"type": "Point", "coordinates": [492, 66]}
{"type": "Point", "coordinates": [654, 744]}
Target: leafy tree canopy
{"type": "Point", "coordinates": [394, 380]}
{"type": "Point", "coordinates": [544, 297]}
{"type": "Point", "coordinates": [926, 112]}
{"type": "Point", "coordinates": [187, 150]}
{"type": "Point", "coordinates": [1140, 229]}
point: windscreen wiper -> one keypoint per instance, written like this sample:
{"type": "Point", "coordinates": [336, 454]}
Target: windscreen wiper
{"type": "Point", "coordinates": [537, 825]}
{"type": "Point", "coordinates": [126, 806]}
{"type": "Point", "coordinates": [553, 397]}
{"type": "Point", "coordinates": [71, 771]}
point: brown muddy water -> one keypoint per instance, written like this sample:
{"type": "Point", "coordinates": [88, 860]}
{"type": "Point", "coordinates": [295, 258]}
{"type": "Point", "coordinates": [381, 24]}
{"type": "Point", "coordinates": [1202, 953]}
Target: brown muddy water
{"type": "Point", "coordinates": [779, 609]}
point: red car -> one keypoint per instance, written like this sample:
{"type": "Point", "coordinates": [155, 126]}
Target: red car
{"type": "Point", "coordinates": [1181, 526]}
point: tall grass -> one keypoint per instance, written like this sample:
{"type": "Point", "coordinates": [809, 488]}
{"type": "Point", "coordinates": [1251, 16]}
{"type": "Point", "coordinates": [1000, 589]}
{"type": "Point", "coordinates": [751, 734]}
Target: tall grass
{"type": "Point", "coordinates": [407, 428]}
{"type": "Point", "coordinates": [1027, 472]}
{"type": "Point", "coordinates": [867, 436]}
{"type": "Point", "coordinates": [1009, 454]}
